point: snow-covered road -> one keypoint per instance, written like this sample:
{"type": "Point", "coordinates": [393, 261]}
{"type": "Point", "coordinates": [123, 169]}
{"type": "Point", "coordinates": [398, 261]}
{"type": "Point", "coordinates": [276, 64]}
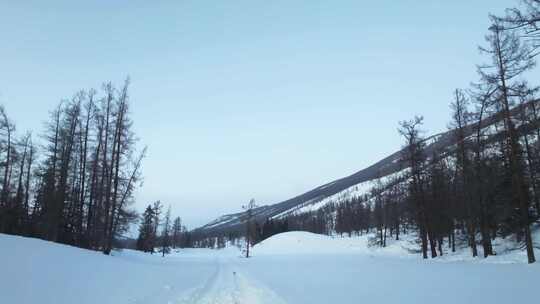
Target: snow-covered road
{"type": "Point", "coordinates": [293, 269]}
{"type": "Point", "coordinates": [230, 285]}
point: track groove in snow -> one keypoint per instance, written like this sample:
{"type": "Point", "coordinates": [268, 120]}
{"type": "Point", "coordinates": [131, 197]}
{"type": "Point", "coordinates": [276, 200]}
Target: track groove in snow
{"type": "Point", "coordinates": [228, 285]}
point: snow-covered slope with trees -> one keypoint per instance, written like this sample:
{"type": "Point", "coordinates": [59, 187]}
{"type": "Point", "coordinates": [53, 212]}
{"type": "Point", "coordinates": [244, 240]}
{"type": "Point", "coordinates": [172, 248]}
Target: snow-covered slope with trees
{"type": "Point", "coordinates": [355, 185]}
{"type": "Point", "coordinates": [361, 184]}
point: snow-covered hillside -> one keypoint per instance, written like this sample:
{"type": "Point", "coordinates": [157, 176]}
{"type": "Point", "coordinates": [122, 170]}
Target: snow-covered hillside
{"type": "Point", "coordinates": [355, 191]}
{"type": "Point", "coordinates": [344, 189]}
{"type": "Point", "coordinates": [357, 184]}
{"type": "Point", "coordinates": [294, 268]}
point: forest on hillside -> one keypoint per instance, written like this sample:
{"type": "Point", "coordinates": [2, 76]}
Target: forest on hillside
{"type": "Point", "coordinates": [485, 185]}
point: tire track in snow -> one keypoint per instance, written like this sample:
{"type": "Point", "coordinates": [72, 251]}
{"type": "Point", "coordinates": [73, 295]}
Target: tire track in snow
{"type": "Point", "coordinates": [198, 294]}
{"type": "Point", "coordinates": [229, 286]}
{"type": "Point", "coordinates": [251, 291]}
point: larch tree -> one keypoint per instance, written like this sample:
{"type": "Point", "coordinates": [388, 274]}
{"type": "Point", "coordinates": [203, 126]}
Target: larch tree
{"type": "Point", "coordinates": [249, 223]}
{"type": "Point", "coordinates": [415, 158]}
{"type": "Point", "coordinates": [166, 233]}
{"type": "Point", "coordinates": [509, 60]}
{"type": "Point", "coordinates": [176, 232]}
{"type": "Point", "coordinates": [526, 19]}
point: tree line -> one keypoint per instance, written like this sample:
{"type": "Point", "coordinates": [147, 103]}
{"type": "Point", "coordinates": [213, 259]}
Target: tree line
{"type": "Point", "coordinates": [171, 236]}
{"type": "Point", "coordinates": [75, 187]}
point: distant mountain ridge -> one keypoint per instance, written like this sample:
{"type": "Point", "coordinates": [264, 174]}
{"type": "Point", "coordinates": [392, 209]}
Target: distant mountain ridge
{"type": "Point", "coordinates": [384, 167]}
{"type": "Point", "coordinates": [435, 144]}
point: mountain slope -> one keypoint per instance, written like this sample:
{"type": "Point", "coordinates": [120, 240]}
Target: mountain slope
{"type": "Point", "coordinates": [385, 167]}
{"type": "Point", "coordinates": [356, 184]}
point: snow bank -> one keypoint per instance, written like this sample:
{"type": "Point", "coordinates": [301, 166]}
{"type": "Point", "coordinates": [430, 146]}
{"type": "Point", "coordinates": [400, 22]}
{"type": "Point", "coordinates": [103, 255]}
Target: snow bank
{"type": "Point", "coordinates": [364, 278]}
{"type": "Point", "coordinates": [507, 250]}
{"type": "Point", "coordinates": [347, 270]}
{"type": "Point", "coordinates": [300, 242]}
{"type": "Point", "coordinates": [36, 271]}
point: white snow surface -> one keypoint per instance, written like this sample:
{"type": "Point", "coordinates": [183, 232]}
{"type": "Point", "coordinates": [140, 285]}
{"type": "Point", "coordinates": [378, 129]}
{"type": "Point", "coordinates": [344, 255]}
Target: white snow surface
{"type": "Point", "coordinates": [306, 243]}
{"type": "Point", "coordinates": [294, 267]}
{"type": "Point", "coordinates": [302, 243]}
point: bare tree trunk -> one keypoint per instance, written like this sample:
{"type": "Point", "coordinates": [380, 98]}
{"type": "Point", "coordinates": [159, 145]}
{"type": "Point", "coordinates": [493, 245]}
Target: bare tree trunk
{"type": "Point", "coordinates": [127, 192]}
{"type": "Point", "coordinates": [532, 173]}
{"type": "Point", "coordinates": [83, 161]}
{"type": "Point", "coordinates": [90, 223]}
{"type": "Point", "coordinates": [518, 183]}
{"type": "Point", "coordinates": [104, 173]}
{"type": "Point", "coordinates": [21, 209]}
{"type": "Point", "coordinates": [50, 205]}
{"type": "Point", "coordinates": [28, 176]}
{"type": "Point", "coordinates": [116, 150]}
{"type": "Point", "coordinates": [7, 168]}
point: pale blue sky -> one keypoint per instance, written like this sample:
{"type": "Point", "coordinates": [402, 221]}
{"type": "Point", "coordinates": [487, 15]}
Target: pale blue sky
{"type": "Point", "coordinates": [241, 99]}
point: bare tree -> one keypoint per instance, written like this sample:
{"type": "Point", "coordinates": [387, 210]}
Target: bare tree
{"type": "Point", "coordinates": [176, 232]}
{"type": "Point", "coordinates": [166, 234]}
{"type": "Point", "coordinates": [8, 127]}
{"type": "Point", "coordinates": [249, 222]}
{"type": "Point", "coordinates": [414, 156]}
{"type": "Point", "coordinates": [460, 120]}
{"type": "Point", "coordinates": [509, 60]}
{"type": "Point", "coordinates": [526, 19]}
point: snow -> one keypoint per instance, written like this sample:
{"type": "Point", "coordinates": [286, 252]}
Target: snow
{"type": "Point", "coordinates": [294, 267]}
{"type": "Point", "coordinates": [508, 251]}
{"type": "Point", "coordinates": [301, 243]}
{"type": "Point", "coordinates": [371, 279]}
{"type": "Point", "coordinates": [310, 268]}
{"type": "Point", "coordinates": [228, 285]}
{"type": "Point", "coordinates": [220, 220]}
{"type": "Point", "coordinates": [35, 271]}
{"type": "Point", "coordinates": [354, 191]}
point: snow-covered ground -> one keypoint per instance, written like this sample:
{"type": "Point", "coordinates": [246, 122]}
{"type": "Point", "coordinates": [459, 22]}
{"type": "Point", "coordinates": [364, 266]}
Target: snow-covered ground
{"type": "Point", "coordinates": [295, 267]}
{"type": "Point", "coordinates": [305, 243]}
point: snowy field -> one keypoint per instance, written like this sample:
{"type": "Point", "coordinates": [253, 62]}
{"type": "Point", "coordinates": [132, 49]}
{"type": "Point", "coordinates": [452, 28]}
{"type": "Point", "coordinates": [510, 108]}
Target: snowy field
{"type": "Point", "coordinates": [295, 267]}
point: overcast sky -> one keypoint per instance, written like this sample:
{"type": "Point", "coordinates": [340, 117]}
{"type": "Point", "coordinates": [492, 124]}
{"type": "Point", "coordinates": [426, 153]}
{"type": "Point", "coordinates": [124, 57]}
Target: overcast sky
{"type": "Point", "coordinates": [242, 99]}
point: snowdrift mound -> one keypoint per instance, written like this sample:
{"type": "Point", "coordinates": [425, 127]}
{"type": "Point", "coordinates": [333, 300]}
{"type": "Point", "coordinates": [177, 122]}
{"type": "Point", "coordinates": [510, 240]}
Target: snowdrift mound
{"type": "Point", "coordinates": [306, 243]}
{"type": "Point", "coordinates": [300, 242]}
